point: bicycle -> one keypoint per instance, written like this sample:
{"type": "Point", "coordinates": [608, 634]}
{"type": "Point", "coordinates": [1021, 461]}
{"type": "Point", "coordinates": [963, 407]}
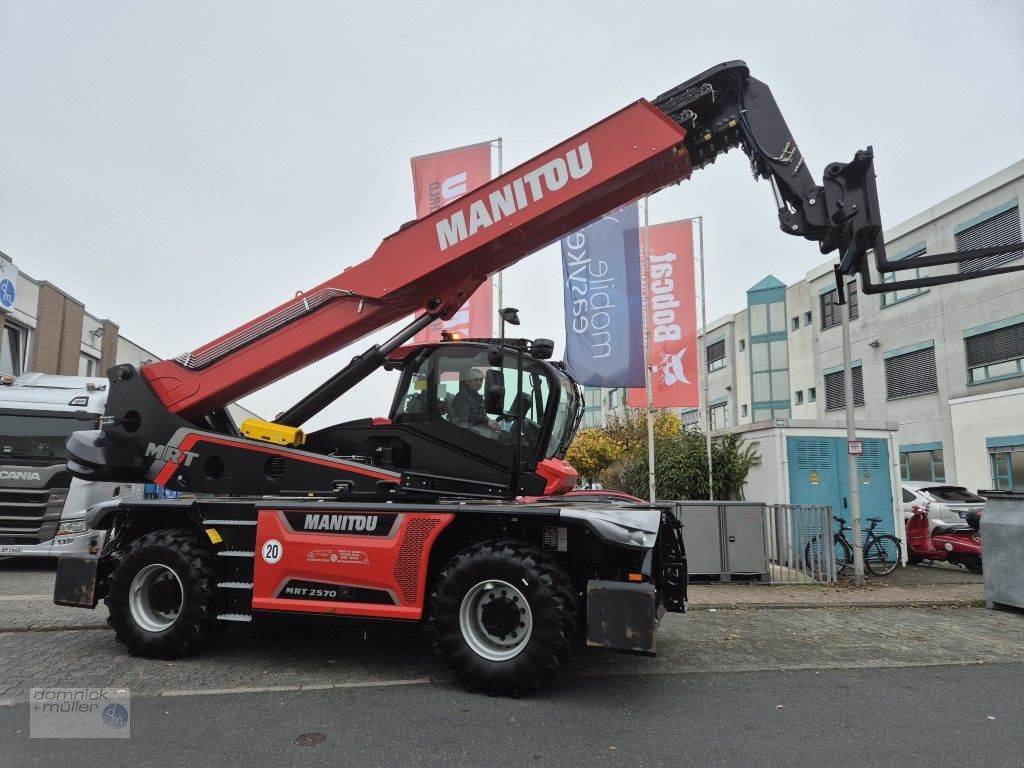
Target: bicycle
{"type": "Point", "coordinates": [881, 551]}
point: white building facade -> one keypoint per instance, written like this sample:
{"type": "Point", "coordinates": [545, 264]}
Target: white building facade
{"type": "Point", "coordinates": [945, 363]}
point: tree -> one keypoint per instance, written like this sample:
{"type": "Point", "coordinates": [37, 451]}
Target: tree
{"type": "Point", "coordinates": [681, 467]}
{"type": "Point", "coordinates": [592, 451]}
{"type": "Point", "coordinates": [630, 429]}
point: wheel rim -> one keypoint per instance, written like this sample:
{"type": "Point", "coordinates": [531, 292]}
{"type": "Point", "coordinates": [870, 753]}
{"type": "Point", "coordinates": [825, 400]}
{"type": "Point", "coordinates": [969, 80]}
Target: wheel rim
{"type": "Point", "coordinates": [496, 620]}
{"type": "Point", "coordinates": [155, 597]}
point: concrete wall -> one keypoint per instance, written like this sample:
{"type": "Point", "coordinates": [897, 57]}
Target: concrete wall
{"type": "Point", "coordinates": [975, 418]}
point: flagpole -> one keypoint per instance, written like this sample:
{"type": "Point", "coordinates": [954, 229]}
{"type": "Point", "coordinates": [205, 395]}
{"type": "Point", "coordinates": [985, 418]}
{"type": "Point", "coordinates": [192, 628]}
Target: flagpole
{"type": "Point", "coordinates": [500, 282]}
{"type": "Point", "coordinates": [702, 370]}
{"type": "Point", "coordinates": [648, 373]}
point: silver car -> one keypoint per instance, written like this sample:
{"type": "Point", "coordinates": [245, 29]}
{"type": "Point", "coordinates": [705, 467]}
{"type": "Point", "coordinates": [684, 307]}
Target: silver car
{"type": "Point", "coordinates": [946, 504]}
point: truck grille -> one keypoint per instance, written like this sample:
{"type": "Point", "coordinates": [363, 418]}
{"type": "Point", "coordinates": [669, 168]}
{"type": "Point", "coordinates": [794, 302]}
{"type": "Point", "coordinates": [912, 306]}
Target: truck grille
{"type": "Point", "coordinates": [30, 515]}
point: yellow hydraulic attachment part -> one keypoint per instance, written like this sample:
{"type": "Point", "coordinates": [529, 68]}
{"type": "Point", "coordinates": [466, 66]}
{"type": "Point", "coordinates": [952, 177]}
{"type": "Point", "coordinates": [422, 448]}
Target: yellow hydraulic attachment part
{"type": "Point", "coordinates": [269, 432]}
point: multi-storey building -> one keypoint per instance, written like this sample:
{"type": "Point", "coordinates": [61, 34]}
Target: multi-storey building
{"type": "Point", "coordinates": [45, 329]}
{"type": "Point", "coordinates": [946, 363]}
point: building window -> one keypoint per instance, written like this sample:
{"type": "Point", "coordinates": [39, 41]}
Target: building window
{"type": "Point", "coordinates": [716, 355]}
{"type": "Point", "coordinates": [807, 318]}
{"type": "Point", "coordinates": [743, 410]}
{"type": "Point", "coordinates": [995, 354]}
{"type": "Point", "coordinates": [87, 365]}
{"type": "Point", "coordinates": [926, 466]}
{"type": "Point", "coordinates": [719, 416]}
{"type": "Point", "coordinates": [835, 389]}
{"type": "Point", "coordinates": [613, 399]}
{"type": "Point", "coordinates": [13, 349]}
{"type": "Point", "coordinates": [1001, 227]}
{"type": "Point", "coordinates": [743, 344]}
{"type": "Point", "coordinates": [794, 323]}
{"type": "Point", "coordinates": [812, 394]}
{"type": "Point", "coordinates": [830, 316]}
{"type": "Point", "coordinates": [799, 397]}
{"type": "Point", "coordinates": [894, 297]}
{"type": "Point", "coordinates": [911, 373]}
{"type": "Point", "coordinates": [1007, 467]}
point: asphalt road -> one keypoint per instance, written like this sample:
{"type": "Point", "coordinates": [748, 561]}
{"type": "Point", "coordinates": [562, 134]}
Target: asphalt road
{"type": "Point", "coordinates": [871, 686]}
{"type": "Point", "coordinates": [926, 716]}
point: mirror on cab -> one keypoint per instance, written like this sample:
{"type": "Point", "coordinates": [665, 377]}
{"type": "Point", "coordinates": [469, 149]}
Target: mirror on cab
{"type": "Point", "coordinates": [494, 392]}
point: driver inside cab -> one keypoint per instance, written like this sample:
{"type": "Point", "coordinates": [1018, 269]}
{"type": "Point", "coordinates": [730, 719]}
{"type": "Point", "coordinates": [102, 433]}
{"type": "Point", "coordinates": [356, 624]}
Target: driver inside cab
{"type": "Point", "coordinates": [468, 404]}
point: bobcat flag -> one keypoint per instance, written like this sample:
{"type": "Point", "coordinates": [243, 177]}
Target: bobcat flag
{"type": "Point", "coordinates": [438, 179]}
{"type": "Point", "coordinates": [603, 310]}
{"type": "Point", "coordinates": [670, 311]}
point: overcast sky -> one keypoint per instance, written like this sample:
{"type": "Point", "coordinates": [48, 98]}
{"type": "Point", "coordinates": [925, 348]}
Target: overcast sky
{"type": "Point", "coordinates": [181, 167]}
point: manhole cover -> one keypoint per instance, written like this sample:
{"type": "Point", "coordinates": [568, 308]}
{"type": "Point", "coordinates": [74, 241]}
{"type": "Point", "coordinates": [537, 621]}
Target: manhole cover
{"type": "Point", "coordinates": [310, 739]}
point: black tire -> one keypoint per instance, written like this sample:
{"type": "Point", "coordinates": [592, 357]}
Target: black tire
{"type": "Point", "coordinates": [974, 565]}
{"type": "Point", "coordinates": [190, 608]}
{"type": "Point", "coordinates": [552, 603]}
{"type": "Point", "coordinates": [882, 554]}
{"type": "Point", "coordinates": [813, 559]}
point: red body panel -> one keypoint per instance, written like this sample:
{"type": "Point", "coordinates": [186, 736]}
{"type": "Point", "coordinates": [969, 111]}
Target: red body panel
{"type": "Point", "coordinates": [636, 151]}
{"type": "Point", "coordinates": [560, 476]}
{"type": "Point", "coordinates": [390, 566]}
{"type": "Point", "coordinates": [191, 440]}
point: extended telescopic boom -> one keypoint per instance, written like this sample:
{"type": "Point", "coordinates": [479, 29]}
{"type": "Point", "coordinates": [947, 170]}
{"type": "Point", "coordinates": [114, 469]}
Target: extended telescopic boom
{"type": "Point", "coordinates": [432, 265]}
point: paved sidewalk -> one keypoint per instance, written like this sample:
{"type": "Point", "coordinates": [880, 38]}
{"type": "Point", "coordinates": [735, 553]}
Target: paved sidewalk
{"type": "Point", "coordinates": [913, 586]}
{"type": "Point", "coordinates": [739, 596]}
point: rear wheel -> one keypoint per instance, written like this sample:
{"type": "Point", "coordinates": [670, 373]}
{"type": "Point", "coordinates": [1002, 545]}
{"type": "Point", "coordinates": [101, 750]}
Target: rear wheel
{"type": "Point", "coordinates": [815, 554]}
{"type": "Point", "coordinates": [882, 554]}
{"type": "Point", "coordinates": [161, 598]}
{"type": "Point", "coordinates": [504, 616]}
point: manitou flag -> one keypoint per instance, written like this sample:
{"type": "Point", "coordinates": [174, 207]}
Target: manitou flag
{"type": "Point", "coordinates": [438, 179]}
{"type": "Point", "coordinates": [603, 309]}
{"type": "Point", "coordinates": [670, 311]}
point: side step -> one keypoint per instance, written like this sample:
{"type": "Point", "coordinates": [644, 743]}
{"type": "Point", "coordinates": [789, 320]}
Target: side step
{"type": "Point", "coordinates": [235, 553]}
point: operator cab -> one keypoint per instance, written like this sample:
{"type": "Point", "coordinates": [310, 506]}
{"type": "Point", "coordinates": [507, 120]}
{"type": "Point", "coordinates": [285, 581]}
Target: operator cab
{"type": "Point", "coordinates": [459, 407]}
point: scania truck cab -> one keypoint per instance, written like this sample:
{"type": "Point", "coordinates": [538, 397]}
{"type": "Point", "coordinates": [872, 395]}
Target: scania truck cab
{"type": "Point", "coordinates": [42, 507]}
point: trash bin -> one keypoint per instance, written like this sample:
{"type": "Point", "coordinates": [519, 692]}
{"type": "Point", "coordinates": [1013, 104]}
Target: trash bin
{"type": "Point", "coordinates": [1002, 548]}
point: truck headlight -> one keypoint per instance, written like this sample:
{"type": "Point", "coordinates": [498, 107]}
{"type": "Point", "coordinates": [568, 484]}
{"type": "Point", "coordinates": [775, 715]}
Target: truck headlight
{"type": "Point", "coordinates": [67, 527]}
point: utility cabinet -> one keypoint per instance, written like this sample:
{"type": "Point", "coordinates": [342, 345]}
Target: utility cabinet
{"type": "Point", "coordinates": [804, 462]}
{"type": "Point", "coordinates": [724, 539]}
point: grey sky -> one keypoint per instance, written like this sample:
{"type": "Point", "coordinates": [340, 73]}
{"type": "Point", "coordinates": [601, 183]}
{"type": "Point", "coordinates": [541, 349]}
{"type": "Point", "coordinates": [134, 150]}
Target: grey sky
{"type": "Point", "coordinates": [183, 166]}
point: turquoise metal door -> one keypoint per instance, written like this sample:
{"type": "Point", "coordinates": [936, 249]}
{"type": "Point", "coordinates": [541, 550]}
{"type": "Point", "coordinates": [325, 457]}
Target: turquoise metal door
{"type": "Point", "coordinates": [818, 475]}
{"type": "Point", "coordinates": [814, 476]}
{"type": "Point", "coordinates": [875, 485]}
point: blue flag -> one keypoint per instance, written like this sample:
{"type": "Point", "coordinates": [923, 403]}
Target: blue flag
{"type": "Point", "coordinates": [603, 309]}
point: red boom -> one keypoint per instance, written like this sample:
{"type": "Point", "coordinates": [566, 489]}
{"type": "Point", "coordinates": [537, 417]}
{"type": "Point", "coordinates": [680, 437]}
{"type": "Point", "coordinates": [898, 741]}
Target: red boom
{"type": "Point", "coordinates": [438, 260]}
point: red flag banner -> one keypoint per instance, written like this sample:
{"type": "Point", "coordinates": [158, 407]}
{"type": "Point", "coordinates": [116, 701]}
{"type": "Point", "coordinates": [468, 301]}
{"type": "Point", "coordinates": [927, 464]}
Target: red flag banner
{"type": "Point", "coordinates": [438, 179]}
{"type": "Point", "coordinates": [670, 312]}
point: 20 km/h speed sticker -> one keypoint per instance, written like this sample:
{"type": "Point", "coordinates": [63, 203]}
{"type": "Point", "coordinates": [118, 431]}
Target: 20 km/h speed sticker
{"type": "Point", "coordinates": [272, 551]}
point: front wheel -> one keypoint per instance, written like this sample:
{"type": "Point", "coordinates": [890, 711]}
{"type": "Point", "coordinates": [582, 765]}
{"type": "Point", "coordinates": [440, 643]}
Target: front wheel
{"type": "Point", "coordinates": [882, 554]}
{"type": "Point", "coordinates": [161, 598]}
{"type": "Point", "coordinates": [504, 617]}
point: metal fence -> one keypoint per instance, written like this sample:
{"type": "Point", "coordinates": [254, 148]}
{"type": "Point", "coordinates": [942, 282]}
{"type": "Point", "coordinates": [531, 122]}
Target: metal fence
{"type": "Point", "coordinates": [800, 544]}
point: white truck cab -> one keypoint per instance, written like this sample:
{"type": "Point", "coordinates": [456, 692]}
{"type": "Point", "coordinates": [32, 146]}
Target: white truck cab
{"type": "Point", "coordinates": [42, 507]}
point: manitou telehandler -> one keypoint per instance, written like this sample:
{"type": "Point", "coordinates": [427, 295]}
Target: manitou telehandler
{"type": "Point", "coordinates": [414, 517]}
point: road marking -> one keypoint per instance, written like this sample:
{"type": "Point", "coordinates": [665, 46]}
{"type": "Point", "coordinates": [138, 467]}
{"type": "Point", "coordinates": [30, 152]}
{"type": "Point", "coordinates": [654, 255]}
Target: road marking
{"type": "Point", "coordinates": [15, 598]}
{"type": "Point", "coordinates": [285, 688]}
